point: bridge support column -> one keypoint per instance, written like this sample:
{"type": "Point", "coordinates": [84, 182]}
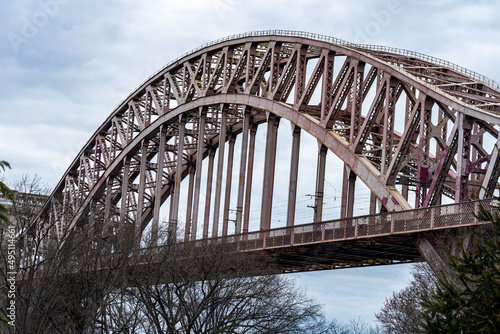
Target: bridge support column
{"type": "Point", "coordinates": [189, 206]}
{"type": "Point", "coordinates": [348, 188]}
{"type": "Point", "coordinates": [433, 254]}
{"type": "Point", "coordinates": [159, 184]}
{"type": "Point", "coordinates": [107, 228]}
{"type": "Point", "coordinates": [248, 189]}
{"type": "Point", "coordinates": [171, 185]}
{"type": "Point", "coordinates": [443, 137]}
{"type": "Point", "coordinates": [269, 168]}
{"type": "Point", "coordinates": [388, 119]}
{"type": "Point", "coordinates": [220, 170]}
{"type": "Point", "coordinates": [172, 231]}
{"type": "Point", "coordinates": [294, 171]}
{"type": "Point", "coordinates": [124, 224]}
{"type": "Point", "coordinates": [300, 73]}
{"type": "Point", "coordinates": [199, 164]}
{"type": "Point", "coordinates": [356, 102]}
{"type": "Point", "coordinates": [423, 153]}
{"type": "Point", "coordinates": [408, 113]}
{"type": "Point", "coordinates": [320, 183]}
{"type": "Point", "coordinates": [140, 199]}
{"type": "Point", "coordinates": [434, 248]}
{"type": "Point", "coordinates": [350, 194]}
{"type": "Point", "coordinates": [229, 176]}
{"type": "Point", "coordinates": [208, 194]}
{"type": "Point", "coordinates": [373, 204]}
{"type": "Point", "coordinates": [405, 190]}
{"type": "Point", "coordinates": [464, 146]}
{"type": "Point", "coordinates": [243, 163]}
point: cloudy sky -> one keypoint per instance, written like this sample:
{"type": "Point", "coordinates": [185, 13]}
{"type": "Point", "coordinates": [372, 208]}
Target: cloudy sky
{"type": "Point", "coordinates": [66, 64]}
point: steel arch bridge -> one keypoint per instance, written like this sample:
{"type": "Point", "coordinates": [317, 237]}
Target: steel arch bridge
{"type": "Point", "coordinates": [400, 121]}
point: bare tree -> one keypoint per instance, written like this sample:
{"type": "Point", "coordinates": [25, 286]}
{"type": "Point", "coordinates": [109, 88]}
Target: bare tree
{"type": "Point", "coordinates": [90, 281]}
{"type": "Point", "coordinates": [402, 313]}
{"type": "Point", "coordinates": [30, 194]}
{"type": "Point", "coordinates": [60, 286]}
{"type": "Point", "coordinates": [211, 288]}
{"type": "Point", "coordinates": [20, 211]}
{"type": "Point", "coordinates": [88, 284]}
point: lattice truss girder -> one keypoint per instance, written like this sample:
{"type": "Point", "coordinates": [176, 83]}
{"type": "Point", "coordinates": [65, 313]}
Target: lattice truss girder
{"type": "Point", "coordinates": [456, 84]}
{"type": "Point", "coordinates": [413, 123]}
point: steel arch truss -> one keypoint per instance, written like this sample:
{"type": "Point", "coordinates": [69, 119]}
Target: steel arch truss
{"type": "Point", "coordinates": [398, 121]}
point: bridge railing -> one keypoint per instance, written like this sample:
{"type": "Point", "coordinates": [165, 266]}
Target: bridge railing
{"type": "Point", "coordinates": [364, 227]}
{"type": "Point", "coordinates": [434, 60]}
{"type": "Point", "coordinates": [355, 228]}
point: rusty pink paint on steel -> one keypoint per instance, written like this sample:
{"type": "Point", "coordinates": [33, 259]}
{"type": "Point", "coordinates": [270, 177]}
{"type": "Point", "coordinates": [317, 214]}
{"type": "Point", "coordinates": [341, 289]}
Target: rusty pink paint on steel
{"type": "Point", "coordinates": [350, 100]}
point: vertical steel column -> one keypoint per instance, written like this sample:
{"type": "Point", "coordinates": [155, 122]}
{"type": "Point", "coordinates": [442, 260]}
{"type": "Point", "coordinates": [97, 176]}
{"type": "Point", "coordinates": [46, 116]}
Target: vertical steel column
{"type": "Point", "coordinates": [408, 109]}
{"type": "Point", "coordinates": [388, 129]}
{"type": "Point", "coordinates": [171, 185]}
{"type": "Point", "coordinates": [443, 136]}
{"type": "Point", "coordinates": [189, 206]}
{"type": "Point", "coordinates": [81, 181]}
{"type": "Point", "coordinates": [248, 188]}
{"type": "Point", "coordinates": [140, 197]}
{"type": "Point", "coordinates": [294, 172]}
{"type": "Point", "coordinates": [226, 73]}
{"type": "Point", "coordinates": [107, 225]}
{"type": "Point", "coordinates": [269, 168]}
{"type": "Point", "coordinates": [423, 154]}
{"type": "Point", "coordinates": [66, 205]}
{"type": "Point", "coordinates": [88, 228]}
{"type": "Point", "coordinates": [205, 76]}
{"type": "Point", "coordinates": [476, 154]}
{"type": "Point", "coordinates": [327, 84]}
{"type": "Point", "coordinates": [275, 69]}
{"type": "Point", "coordinates": [166, 95]}
{"type": "Point", "coordinates": [345, 187]}
{"type": "Point", "coordinates": [243, 162]}
{"type": "Point", "coordinates": [159, 185]}
{"type": "Point", "coordinates": [229, 176]}
{"type": "Point", "coordinates": [350, 194]}
{"type": "Point", "coordinates": [220, 170]}
{"type": "Point", "coordinates": [357, 96]}
{"type": "Point", "coordinates": [463, 159]}
{"type": "Point", "coordinates": [348, 187]}
{"type": "Point", "coordinates": [373, 204]}
{"type": "Point", "coordinates": [124, 205]}
{"type": "Point", "coordinates": [178, 178]}
{"type": "Point", "coordinates": [300, 74]}
{"type": "Point", "coordinates": [444, 128]}
{"type": "Point", "coordinates": [320, 183]}
{"type": "Point", "coordinates": [250, 66]}
{"type": "Point", "coordinates": [208, 194]}
{"type": "Point", "coordinates": [199, 163]}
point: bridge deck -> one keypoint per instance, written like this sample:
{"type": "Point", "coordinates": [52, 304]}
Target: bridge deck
{"type": "Point", "coordinates": [370, 240]}
{"type": "Point", "coordinates": [354, 242]}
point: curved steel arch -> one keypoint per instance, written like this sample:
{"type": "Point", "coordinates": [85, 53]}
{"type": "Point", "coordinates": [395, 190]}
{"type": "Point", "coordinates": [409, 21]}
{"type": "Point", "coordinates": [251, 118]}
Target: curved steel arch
{"type": "Point", "coordinates": [120, 174]}
{"type": "Point", "coordinates": [392, 198]}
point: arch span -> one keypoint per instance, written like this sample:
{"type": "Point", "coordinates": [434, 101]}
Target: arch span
{"type": "Point", "coordinates": [400, 122]}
